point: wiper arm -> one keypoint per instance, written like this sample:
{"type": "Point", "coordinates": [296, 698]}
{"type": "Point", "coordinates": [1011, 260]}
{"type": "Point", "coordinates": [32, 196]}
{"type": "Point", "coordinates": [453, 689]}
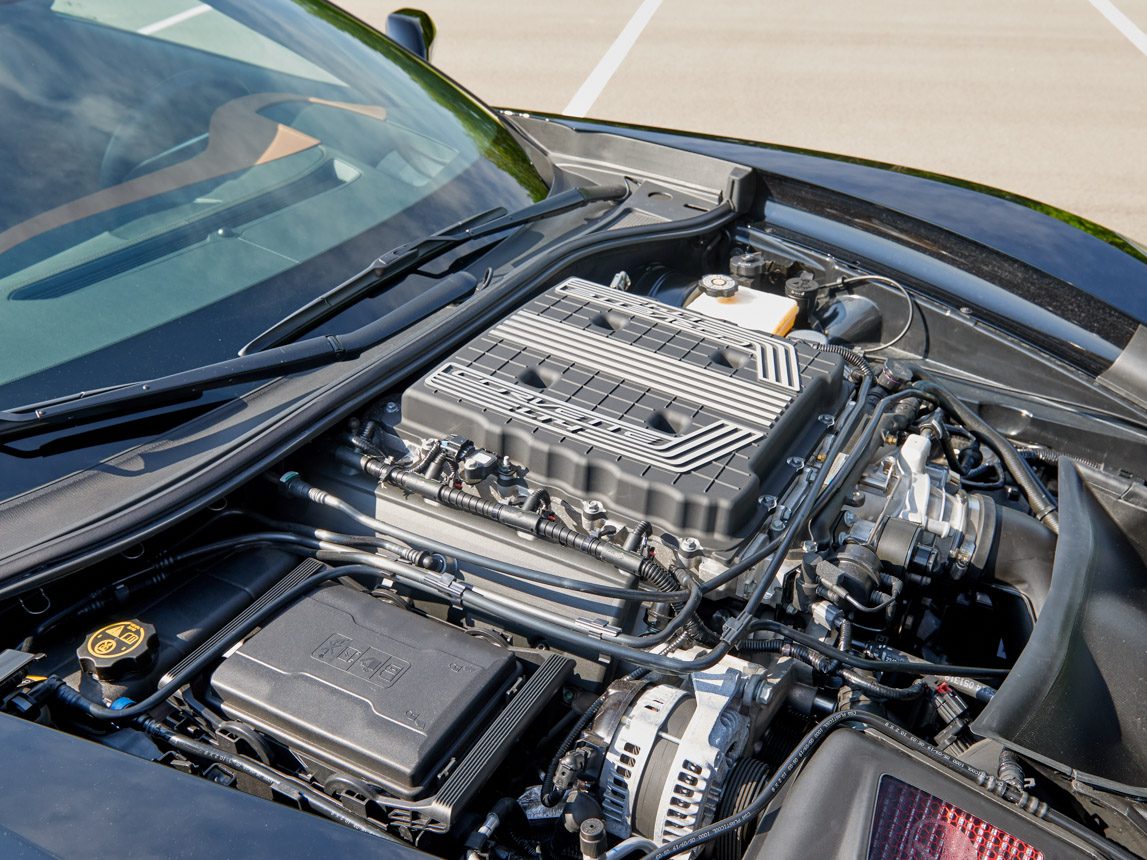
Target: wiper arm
{"type": "Point", "coordinates": [263, 358]}
{"type": "Point", "coordinates": [84, 407]}
{"type": "Point", "coordinates": [409, 256]}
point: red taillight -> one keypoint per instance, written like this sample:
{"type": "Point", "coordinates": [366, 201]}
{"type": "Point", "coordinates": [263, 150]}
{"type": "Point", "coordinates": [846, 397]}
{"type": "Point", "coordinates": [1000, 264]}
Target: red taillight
{"type": "Point", "coordinates": [911, 824]}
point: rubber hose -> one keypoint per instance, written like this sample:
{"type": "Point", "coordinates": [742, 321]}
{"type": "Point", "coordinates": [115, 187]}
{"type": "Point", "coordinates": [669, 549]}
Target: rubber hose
{"type": "Point", "coordinates": [315, 800]}
{"type": "Point", "coordinates": [629, 846]}
{"type": "Point", "coordinates": [871, 688]}
{"type": "Point", "coordinates": [1010, 769]}
{"type": "Point", "coordinates": [913, 667]}
{"type": "Point", "coordinates": [1052, 458]}
{"type": "Point", "coordinates": [852, 357]}
{"type": "Point", "coordinates": [1042, 504]}
{"type": "Point", "coordinates": [875, 690]}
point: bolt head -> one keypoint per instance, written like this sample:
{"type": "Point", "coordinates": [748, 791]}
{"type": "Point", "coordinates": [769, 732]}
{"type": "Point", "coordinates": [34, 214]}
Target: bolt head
{"type": "Point", "coordinates": [690, 546]}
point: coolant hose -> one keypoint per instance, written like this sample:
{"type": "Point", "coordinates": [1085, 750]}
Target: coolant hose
{"type": "Point", "coordinates": [1041, 502]}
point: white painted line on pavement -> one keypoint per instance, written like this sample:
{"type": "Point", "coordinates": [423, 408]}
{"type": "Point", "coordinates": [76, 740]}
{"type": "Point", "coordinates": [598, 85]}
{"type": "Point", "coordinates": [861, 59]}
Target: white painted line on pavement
{"type": "Point", "coordinates": [593, 85]}
{"type": "Point", "coordinates": [1122, 23]}
{"type": "Point", "coordinates": [194, 11]}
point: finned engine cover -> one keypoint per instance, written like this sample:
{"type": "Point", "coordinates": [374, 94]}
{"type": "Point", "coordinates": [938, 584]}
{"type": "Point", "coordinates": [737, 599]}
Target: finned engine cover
{"type": "Point", "coordinates": [671, 416]}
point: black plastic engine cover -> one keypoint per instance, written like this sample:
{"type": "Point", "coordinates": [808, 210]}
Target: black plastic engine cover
{"type": "Point", "coordinates": [665, 414]}
{"type": "Point", "coordinates": [366, 688]}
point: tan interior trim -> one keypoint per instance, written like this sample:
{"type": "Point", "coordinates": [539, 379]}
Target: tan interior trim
{"type": "Point", "coordinates": [238, 138]}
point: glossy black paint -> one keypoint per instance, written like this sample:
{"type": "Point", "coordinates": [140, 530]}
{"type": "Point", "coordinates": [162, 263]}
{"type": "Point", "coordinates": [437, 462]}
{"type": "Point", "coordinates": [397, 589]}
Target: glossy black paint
{"type": "Point", "coordinates": [67, 797]}
{"type": "Point", "coordinates": [1066, 264]}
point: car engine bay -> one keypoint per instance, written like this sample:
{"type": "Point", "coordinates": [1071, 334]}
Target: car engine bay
{"type": "Point", "coordinates": [605, 580]}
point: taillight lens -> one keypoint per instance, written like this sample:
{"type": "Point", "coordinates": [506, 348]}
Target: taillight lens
{"type": "Point", "coordinates": [911, 824]}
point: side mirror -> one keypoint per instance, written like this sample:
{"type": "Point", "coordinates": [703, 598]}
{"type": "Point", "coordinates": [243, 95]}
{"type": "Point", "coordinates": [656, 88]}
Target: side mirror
{"type": "Point", "coordinates": [412, 29]}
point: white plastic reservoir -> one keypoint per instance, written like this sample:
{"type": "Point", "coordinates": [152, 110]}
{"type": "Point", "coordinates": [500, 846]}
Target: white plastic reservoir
{"type": "Point", "coordinates": [720, 296]}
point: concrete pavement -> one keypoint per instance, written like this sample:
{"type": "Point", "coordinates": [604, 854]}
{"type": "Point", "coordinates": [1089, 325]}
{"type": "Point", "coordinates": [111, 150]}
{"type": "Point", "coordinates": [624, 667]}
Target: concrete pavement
{"type": "Point", "coordinates": [1044, 98]}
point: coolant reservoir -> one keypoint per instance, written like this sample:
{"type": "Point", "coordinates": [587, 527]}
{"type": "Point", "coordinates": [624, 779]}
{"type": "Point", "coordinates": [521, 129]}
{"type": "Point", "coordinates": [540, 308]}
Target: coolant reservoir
{"type": "Point", "coordinates": [719, 296]}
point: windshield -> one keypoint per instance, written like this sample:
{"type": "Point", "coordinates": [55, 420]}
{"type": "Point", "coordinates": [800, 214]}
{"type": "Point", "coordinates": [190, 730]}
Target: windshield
{"type": "Point", "coordinates": [178, 175]}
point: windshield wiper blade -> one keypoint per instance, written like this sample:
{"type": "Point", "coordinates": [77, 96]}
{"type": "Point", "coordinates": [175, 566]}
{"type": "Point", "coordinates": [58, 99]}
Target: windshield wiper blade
{"type": "Point", "coordinates": [268, 357]}
{"type": "Point", "coordinates": [84, 407]}
{"type": "Point", "coordinates": [409, 256]}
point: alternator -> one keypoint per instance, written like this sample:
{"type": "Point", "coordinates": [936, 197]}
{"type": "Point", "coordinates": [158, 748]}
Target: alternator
{"type": "Point", "coordinates": [670, 752]}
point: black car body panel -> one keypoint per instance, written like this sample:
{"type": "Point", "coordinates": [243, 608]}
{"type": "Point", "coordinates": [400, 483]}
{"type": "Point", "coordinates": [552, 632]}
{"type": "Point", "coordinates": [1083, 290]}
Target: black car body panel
{"type": "Point", "coordinates": [1073, 251]}
{"type": "Point", "coordinates": [745, 472]}
{"type": "Point", "coordinates": [66, 797]}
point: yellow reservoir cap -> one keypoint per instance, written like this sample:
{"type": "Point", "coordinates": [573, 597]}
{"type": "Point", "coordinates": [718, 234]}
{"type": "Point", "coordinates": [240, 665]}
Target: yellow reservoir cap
{"type": "Point", "coordinates": [118, 650]}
